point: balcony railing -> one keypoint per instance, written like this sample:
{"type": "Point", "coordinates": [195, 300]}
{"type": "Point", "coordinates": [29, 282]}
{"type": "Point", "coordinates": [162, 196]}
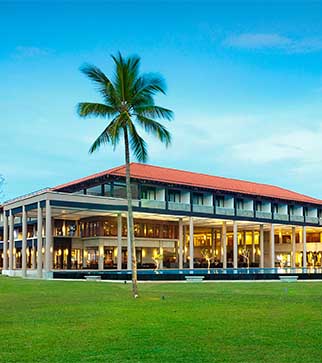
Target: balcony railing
{"type": "Point", "coordinates": [263, 215]}
{"type": "Point", "coordinates": [203, 208]}
{"type": "Point", "coordinates": [179, 206]}
{"type": "Point", "coordinates": [225, 211]}
{"type": "Point", "coordinates": [245, 213]}
{"type": "Point", "coordinates": [296, 218]}
{"type": "Point", "coordinates": [310, 219]}
{"type": "Point", "coordinates": [280, 217]}
{"type": "Point", "coordinates": [157, 204]}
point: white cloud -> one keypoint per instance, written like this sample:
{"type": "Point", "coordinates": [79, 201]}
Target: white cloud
{"type": "Point", "coordinates": [302, 146]}
{"type": "Point", "coordinates": [257, 40]}
{"type": "Point", "coordinates": [30, 52]}
{"type": "Point", "coordinates": [261, 41]}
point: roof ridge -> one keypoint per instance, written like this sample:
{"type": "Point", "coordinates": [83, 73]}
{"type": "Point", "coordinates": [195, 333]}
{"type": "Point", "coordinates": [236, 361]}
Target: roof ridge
{"type": "Point", "coordinates": [149, 172]}
{"type": "Point", "coordinates": [228, 179]}
{"type": "Point", "coordinates": [221, 177]}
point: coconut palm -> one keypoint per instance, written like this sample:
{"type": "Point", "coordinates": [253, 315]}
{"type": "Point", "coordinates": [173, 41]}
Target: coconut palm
{"type": "Point", "coordinates": [127, 103]}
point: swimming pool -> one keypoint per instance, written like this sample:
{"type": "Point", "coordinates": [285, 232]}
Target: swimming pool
{"type": "Point", "coordinates": [211, 274]}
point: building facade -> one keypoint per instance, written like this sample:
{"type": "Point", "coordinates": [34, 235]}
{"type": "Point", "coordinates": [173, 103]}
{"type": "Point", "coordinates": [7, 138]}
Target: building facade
{"type": "Point", "coordinates": [190, 219]}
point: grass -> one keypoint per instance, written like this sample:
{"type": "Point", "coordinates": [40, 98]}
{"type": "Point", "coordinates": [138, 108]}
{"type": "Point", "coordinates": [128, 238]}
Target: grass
{"type": "Point", "coordinates": [56, 321]}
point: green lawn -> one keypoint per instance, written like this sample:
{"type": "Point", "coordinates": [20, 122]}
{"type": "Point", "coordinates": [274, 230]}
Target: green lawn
{"type": "Point", "coordinates": [56, 321]}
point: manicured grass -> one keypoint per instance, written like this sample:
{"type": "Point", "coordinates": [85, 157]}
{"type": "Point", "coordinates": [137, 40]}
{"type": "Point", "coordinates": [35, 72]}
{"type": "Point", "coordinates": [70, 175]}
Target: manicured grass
{"type": "Point", "coordinates": [56, 321]}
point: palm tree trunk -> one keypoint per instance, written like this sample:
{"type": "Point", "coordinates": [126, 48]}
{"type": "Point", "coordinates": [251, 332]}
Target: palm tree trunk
{"type": "Point", "coordinates": [130, 226]}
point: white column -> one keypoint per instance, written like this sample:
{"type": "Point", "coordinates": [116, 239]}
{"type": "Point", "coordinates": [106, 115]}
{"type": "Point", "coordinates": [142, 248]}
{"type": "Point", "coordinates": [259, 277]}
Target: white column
{"type": "Point", "coordinates": [14, 257]}
{"type": "Point", "coordinates": [161, 253]}
{"type": "Point", "coordinates": [39, 240]}
{"type": "Point", "coordinates": [191, 246]}
{"type": "Point", "coordinates": [119, 241]}
{"type": "Point", "coordinates": [224, 244]}
{"type": "Point", "coordinates": [253, 247]}
{"type": "Point", "coordinates": [5, 241]}
{"type": "Point", "coordinates": [272, 247]}
{"type": "Point", "coordinates": [184, 245]}
{"type": "Point", "coordinates": [180, 244]}
{"type": "Point", "coordinates": [213, 242]}
{"type": "Point", "coordinates": [101, 256]}
{"type": "Point", "coordinates": [11, 239]}
{"type": "Point", "coordinates": [293, 242]}
{"type": "Point", "coordinates": [129, 249]}
{"type": "Point", "coordinates": [33, 255]}
{"type": "Point", "coordinates": [304, 245]}
{"type": "Point", "coordinates": [84, 257]}
{"type": "Point", "coordinates": [235, 244]}
{"type": "Point", "coordinates": [261, 245]}
{"type": "Point", "coordinates": [49, 238]}
{"type": "Point", "coordinates": [24, 242]}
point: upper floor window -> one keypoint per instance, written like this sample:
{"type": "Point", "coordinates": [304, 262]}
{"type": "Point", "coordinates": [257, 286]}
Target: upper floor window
{"type": "Point", "coordinates": [174, 196]}
{"type": "Point", "coordinates": [119, 190]}
{"type": "Point", "coordinates": [290, 210]}
{"type": "Point", "coordinates": [258, 206]}
{"type": "Point", "coordinates": [275, 208]}
{"type": "Point", "coordinates": [220, 201]}
{"type": "Point", "coordinates": [239, 203]}
{"type": "Point", "coordinates": [305, 211]}
{"type": "Point", "coordinates": [108, 190]}
{"type": "Point", "coordinates": [148, 192]}
{"type": "Point", "coordinates": [97, 190]}
{"type": "Point", "coordinates": [197, 198]}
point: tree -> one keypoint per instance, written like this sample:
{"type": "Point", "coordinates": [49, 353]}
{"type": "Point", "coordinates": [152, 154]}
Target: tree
{"type": "Point", "coordinates": [207, 255]}
{"type": "Point", "coordinates": [128, 102]}
{"type": "Point", "coordinates": [245, 254]}
{"type": "Point", "coordinates": [157, 258]}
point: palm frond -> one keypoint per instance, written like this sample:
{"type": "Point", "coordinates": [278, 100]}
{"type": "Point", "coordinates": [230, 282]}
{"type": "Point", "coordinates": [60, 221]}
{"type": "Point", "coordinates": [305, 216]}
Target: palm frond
{"type": "Point", "coordinates": [126, 73]}
{"type": "Point", "coordinates": [150, 84]}
{"type": "Point", "coordinates": [103, 139]}
{"type": "Point", "coordinates": [137, 143]}
{"type": "Point", "coordinates": [110, 135]}
{"type": "Point", "coordinates": [155, 128]}
{"type": "Point", "coordinates": [95, 74]}
{"type": "Point", "coordinates": [103, 83]}
{"type": "Point", "coordinates": [88, 109]}
{"type": "Point", "coordinates": [154, 112]}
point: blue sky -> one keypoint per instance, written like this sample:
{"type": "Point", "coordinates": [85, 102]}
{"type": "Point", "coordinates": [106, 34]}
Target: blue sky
{"type": "Point", "coordinates": [244, 80]}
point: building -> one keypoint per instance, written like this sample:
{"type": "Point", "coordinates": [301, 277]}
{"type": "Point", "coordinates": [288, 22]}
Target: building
{"type": "Point", "coordinates": [82, 224]}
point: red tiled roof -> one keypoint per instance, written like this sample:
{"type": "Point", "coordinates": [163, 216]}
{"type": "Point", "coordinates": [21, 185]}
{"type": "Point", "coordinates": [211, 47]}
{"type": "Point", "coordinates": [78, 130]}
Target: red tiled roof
{"type": "Point", "coordinates": [181, 177]}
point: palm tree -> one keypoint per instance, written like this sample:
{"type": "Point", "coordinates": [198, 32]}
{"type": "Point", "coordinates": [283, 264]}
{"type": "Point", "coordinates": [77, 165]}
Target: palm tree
{"type": "Point", "coordinates": [128, 102]}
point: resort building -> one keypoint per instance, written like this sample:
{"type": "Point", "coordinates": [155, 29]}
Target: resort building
{"type": "Point", "coordinates": [188, 218]}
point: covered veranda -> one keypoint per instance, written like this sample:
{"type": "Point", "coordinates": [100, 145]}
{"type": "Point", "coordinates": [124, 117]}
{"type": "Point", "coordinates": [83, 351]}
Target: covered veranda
{"type": "Point", "coordinates": [45, 236]}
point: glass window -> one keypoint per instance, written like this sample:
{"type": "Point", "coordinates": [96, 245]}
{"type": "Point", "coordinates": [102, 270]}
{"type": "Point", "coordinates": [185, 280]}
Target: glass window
{"type": "Point", "coordinates": [275, 208]}
{"type": "Point", "coordinates": [220, 201]}
{"type": "Point", "coordinates": [258, 205]}
{"type": "Point", "coordinates": [108, 190]}
{"type": "Point", "coordinates": [148, 193]}
{"type": "Point", "coordinates": [174, 196]}
{"type": "Point", "coordinates": [97, 190]}
{"type": "Point", "coordinates": [239, 203]}
{"type": "Point", "coordinates": [291, 210]}
{"type": "Point", "coordinates": [197, 198]}
{"type": "Point", "coordinates": [71, 228]}
{"type": "Point", "coordinates": [119, 190]}
{"type": "Point", "coordinates": [82, 191]}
